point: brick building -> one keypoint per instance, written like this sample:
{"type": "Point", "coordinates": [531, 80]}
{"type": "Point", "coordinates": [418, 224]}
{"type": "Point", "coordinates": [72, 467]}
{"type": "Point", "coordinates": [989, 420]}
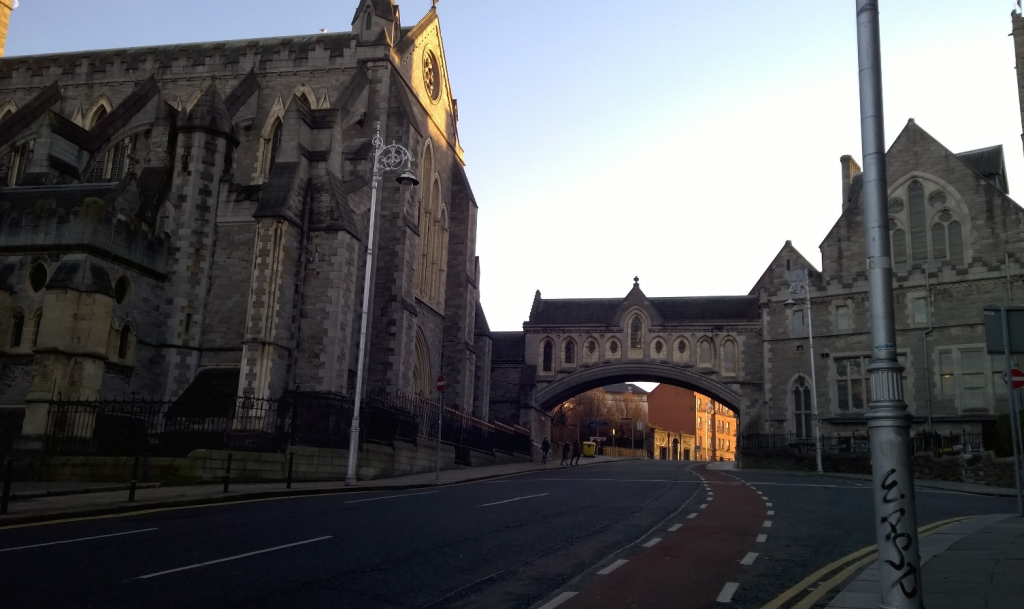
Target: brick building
{"type": "Point", "coordinates": [185, 216]}
{"type": "Point", "coordinates": [689, 425]}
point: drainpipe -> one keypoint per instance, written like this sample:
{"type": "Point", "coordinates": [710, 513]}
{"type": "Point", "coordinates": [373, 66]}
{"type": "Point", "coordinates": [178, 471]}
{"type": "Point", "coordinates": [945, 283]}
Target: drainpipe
{"type": "Point", "coordinates": [924, 341]}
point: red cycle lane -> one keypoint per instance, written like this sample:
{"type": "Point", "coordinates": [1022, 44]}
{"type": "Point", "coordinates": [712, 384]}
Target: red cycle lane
{"type": "Point", "coordinates": [690, 566]}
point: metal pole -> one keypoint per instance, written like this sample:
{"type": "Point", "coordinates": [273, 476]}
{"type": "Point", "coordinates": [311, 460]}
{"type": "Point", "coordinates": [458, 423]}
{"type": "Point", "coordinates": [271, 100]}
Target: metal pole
{"type": "Point", "coordinates": [5, 497]}
{"type": "Point", "coordinates": [440, 414]}
{"type": "Point", "coordinates": [227, 474]}
{"type": "Point", "coordinates": [888, 421]}
{"type": "Point", "coordinates": [135, 476]}
{"type": "Point", "coordinates": [1011, 405]}
{"type": "Point", "coordinates": [1019, 449]}
{"type": "Point", "coordinates": [814, 378]}
{"type": "Point", "coordinates": [353, 442]}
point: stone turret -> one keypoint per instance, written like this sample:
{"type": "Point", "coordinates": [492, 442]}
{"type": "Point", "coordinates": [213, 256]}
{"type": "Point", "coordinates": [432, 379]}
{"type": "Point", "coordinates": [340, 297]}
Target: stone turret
{"type": "Point", "coordinates": [206, 140]}
{"type": "Point", "coordinates": [376, 21]}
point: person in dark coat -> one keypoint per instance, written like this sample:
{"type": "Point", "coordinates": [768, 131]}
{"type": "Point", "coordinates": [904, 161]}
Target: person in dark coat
{"type": "Point", "coordinates": [565, 453]}
{"type": "Point", "coordinates": [577, 452]}
{"type": "Point", "coordinates": [545, 448]}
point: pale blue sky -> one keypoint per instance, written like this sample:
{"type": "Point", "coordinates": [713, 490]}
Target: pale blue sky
{"type": "Point", "coordinates": [681, 141]}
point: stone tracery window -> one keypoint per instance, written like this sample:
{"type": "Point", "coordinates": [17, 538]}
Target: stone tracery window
{"type": "Point", "coordinates": [729, 353]}
{"type": "Point", "coordinates": [548, 356]}
{"type": "Point", "coordinates": [936, 227]}
{"type": "Point", "coordinates": [802, 408]}
{"type": "Point", "coordinates": [433, 222]}
{"type": "Point", "coordinates": [124, 341]}
{"type": "Point", "coordinates": [15, 162]}
{"type": "Point", "coordinates": [570, 352]}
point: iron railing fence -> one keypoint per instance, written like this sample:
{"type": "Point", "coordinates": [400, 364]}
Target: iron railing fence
{"type": "Point", "coordinates": [135, 426]}
{"type": "Point", "coordinates": [952, 443]}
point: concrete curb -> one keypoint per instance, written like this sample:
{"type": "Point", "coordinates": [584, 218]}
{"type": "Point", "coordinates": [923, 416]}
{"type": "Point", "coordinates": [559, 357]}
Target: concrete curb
{"type": "Point", "coordinates": [143, 506]}
{"type": "Point", "coordinates": [82, 491]}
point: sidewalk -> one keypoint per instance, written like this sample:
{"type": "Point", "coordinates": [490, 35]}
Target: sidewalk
{"type": "Point", "coordinates": [975, 564]}
{"type": "Point", "coordinates": [40, 504]}
{"type": "Point", "coordinates": [959, 487]}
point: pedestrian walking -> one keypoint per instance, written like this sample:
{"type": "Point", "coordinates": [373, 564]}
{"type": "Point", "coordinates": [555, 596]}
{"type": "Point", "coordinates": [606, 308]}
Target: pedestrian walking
{"type": "Point", "coordinates": [565, 453]}
{"type": "Point", "coordinates": [577, 452]}
{"type": "Point", "coordinates": [545, 448]}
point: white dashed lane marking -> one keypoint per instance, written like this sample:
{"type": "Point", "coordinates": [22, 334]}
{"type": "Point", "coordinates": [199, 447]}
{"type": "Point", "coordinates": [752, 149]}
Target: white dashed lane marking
{"type": "Point", "coordinates": [767, 524]}
{"type": "Point", "coordinates": [653, 541]}
{"type": "Point", "coordinates": [615, 565]}
{"type": "Point", "coordinates": [749, 558]}
{"type": "Point", "coordinates": [558, 600]}
{"type": "Point", "coordinates": [674, 528]}
{"type": "Point", "coordinates": [725, 596]}
{"type": "Point", "coordinates": [762, 538]}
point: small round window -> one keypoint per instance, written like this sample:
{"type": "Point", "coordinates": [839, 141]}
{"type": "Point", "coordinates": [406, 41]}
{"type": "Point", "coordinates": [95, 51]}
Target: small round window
{"type": "Point", "coordinates": [121, 290]}
{"type": "Point", "coordinates": [658, 347]}
{"type": "Point", "coordinates": [614, 347]}
{"type": "Point", "coordinates": [37, 278]}
{"type": "Point", "coordinates": [431, 75]}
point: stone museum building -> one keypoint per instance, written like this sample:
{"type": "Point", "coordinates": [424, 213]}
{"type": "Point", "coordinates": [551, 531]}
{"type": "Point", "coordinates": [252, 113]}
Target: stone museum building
{"type": "Point", "coordinates": [194, 217]}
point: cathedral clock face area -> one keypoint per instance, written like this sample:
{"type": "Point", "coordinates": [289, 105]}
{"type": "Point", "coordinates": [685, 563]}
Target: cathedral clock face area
{"type": "Point", "coordinates": [431, 75]}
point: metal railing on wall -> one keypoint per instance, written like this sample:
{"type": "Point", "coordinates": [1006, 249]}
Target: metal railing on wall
{"type": "Point", "coordinates": [951, 443]}
{"type": "Point", "coordinates": [132, 426]}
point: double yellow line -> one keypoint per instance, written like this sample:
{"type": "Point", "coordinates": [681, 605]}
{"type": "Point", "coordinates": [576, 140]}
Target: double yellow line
{"type": "Point", "coordinates": [849, 564]}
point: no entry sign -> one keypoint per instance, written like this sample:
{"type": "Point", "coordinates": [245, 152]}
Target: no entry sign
{"type": "Point", "coordinates": [1018, 378]}
{"type": "Point", "coordinates": [440, 383]}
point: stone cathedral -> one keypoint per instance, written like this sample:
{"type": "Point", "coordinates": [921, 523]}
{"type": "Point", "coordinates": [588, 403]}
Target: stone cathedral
{"type": "Point", "coordinates": [194, 218]}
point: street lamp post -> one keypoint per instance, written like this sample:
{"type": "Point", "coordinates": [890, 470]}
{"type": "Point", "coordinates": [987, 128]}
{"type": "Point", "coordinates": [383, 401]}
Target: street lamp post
{"type": "Point", "coordinates": [802, 286]}
{"type": "Point", "coordinates": [899, 559]}
{"type": "Point", "coordinates": [385, 158]}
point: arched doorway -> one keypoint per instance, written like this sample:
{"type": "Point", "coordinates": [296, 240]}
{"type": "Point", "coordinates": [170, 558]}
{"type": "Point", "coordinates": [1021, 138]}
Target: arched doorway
{"type": "Point", "coordinates": [675, 449]}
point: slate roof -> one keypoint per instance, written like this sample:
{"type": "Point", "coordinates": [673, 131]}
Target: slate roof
{"type": "Point", "coordinates": [508, 346]}
{"type": "Point", "coordinates": [986, 161]}
{"type": "Point", "coordinates": [624, 388]}
{"type": "Point", "coordinates": [677, 309]}
{"type": "Point", "coordinates": [24, 116]}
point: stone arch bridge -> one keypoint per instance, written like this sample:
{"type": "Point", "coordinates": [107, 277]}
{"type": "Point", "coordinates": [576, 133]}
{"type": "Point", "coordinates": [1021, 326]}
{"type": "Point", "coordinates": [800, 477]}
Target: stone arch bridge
{"type": "Point", "coordinates": [709, 344]}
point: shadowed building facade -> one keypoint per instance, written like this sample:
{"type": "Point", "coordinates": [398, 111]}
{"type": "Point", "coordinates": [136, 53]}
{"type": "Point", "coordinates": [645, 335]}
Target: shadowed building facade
{"type": "Point", "coordinates": [190, 216]}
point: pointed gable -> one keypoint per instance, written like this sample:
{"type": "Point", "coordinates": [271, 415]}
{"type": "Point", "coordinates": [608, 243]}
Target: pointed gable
{"type": "Point", "coordinates": [636, 299]}
{"type": "Point", "coordinates": [781, 269]}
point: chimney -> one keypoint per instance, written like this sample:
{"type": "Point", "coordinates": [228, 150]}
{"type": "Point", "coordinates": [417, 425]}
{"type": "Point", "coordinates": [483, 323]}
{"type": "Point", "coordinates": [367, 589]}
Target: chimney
{"type": "Point", "coordinates": [849, 168]}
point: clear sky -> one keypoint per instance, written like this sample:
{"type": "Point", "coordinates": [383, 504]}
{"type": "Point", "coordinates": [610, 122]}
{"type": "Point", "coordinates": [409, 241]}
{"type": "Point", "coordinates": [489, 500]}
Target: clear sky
{"type": "Point", "coordinates": [681, 141]}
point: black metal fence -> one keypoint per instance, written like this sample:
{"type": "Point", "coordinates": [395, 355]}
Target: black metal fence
{"type": "Point", "coordinates": [134, 426]}
{"type": "Point", "coordinates": [939, 444]}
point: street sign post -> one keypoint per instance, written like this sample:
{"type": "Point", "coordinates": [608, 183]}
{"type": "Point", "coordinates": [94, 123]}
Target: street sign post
{"type": "Point", "coordinates": [1004, 333]}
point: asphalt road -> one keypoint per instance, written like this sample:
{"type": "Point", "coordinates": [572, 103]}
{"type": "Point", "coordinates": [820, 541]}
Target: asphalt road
{"type": "Point", "coordinates": [516, 542]}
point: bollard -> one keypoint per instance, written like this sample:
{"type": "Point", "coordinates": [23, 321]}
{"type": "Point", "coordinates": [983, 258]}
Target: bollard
{"type": "Point", "coordinates": [135, 477]}
{"type": "Point", "coordinates": [5, 498]}
{"type": "Point", "coordinates": [227, 474]}
{"type": "Point", "coordinates": [291, 462]}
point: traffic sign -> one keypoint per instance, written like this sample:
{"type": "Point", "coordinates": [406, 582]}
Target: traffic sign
{"type": "Point", "coordinates": [440, 383]}
{"type": "Point", "coordinates": [1018, 378]}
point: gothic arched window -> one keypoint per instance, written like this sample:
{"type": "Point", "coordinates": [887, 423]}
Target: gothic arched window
{"type": "Point", "coordinates": [570, 352]}
{"type": "Point", "coordinates": [899, 246]}
{"type": "Point", "coordinates": [15, 162]}
{"type": "Point", "coordinates": [918, 230]}
{"type": "Point", "coordinates": [636, 333]}
{"type": "Point", "coordinates": [17, 328]}
{"type": "Point", "coordinates": [368, 22]}
{"type": "Point", "coordinates": [274, 146]}
{"type": "Point", "coordinates": [548, 356]}
{"type": "Point", "coordinates": [125, 341]}
{"type": "Point", "coordinates": [705, 354]}
{"type": "Point", "coordinates": [802, 408]}
{"type": "Point", "coordinates": [37, 323]}
{"type": "Point", "coordinates": [729, 357]}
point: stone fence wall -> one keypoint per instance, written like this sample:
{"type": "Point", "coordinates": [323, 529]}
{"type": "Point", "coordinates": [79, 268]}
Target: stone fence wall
{"type": "Point", "coordinates": [984, 468]}
{"type": "Point", "coordinates": [310, 464]}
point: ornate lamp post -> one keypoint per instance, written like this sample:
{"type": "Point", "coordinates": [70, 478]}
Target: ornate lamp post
{"type": "Point", "coordinates": [802, 286]}
{"type": "Point", "coordinates": [385, 158]}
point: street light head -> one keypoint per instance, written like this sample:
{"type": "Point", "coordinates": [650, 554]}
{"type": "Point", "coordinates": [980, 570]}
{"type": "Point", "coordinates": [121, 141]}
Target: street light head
{"type": "Point", "coordinates": [789, 304]}
{"type": "Point", "coordinates": [408, 177]}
